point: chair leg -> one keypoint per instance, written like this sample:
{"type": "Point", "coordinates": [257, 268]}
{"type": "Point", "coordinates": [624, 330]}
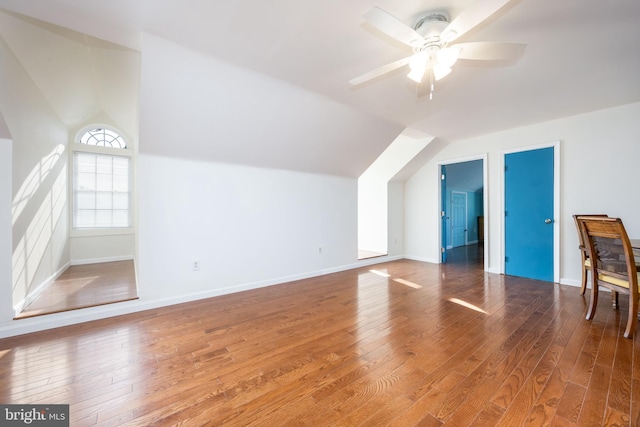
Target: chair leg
{"type": "Point", "coordinates": [593, 300]}
{"type": "Point", "coordinates": [583, 287]}
{"type": "Point", "coordinates": [633, 317]}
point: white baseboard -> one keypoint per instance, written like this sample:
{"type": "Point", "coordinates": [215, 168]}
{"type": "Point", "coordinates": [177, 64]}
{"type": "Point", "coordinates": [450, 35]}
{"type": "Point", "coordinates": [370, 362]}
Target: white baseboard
{"type": "Point", "coordinates": [101, 260]}
{"type": "Point", "coordinates": [417, 258]}
{"type": "Point", "coordinates": [571, 282]}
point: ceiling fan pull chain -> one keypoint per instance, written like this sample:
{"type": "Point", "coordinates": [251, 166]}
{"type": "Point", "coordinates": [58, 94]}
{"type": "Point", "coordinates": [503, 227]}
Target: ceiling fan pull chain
{"type": "Point", "coordinates": [430, 84]}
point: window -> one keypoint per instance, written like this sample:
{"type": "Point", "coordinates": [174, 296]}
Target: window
{"type": "Point", "coordinates": [101, 137]}
{"type": "Point", "coordinates": [101, 181]}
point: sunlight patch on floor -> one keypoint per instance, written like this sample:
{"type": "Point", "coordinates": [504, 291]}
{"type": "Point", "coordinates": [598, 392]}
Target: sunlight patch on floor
{"type": "Point", "coordinates": [466, 304]}
{"type": "Point", "coordinates": [380, 273]}
{"type": "Point", "coordinates": [408, 283]}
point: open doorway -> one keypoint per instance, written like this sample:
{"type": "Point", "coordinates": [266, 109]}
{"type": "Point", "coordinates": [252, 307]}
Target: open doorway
{"type": "Point", "coordinates": [462, 230]}
{"type": "Point", "coordinates": [378, 196]}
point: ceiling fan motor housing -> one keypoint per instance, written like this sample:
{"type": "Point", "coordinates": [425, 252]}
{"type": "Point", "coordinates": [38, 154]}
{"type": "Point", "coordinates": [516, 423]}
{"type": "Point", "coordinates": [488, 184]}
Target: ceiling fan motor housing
{"type": "Point", "coordinates": [430, 28]}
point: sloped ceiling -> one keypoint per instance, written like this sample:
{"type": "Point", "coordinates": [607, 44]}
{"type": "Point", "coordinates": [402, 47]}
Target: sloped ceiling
{"type": "Point", "coordinates": [104, 75]}
{"type": "Point", "coordinates": [580, 56]}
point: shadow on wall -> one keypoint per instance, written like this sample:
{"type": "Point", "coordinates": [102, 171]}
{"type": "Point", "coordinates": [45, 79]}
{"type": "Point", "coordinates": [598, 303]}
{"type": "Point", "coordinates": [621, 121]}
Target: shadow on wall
{"type": "Point", "coordinates": [39, 215]}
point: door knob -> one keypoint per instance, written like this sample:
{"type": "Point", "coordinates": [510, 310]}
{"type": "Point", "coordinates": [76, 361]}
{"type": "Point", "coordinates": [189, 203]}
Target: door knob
{"type": "Point", "coordinates": [548, 221]}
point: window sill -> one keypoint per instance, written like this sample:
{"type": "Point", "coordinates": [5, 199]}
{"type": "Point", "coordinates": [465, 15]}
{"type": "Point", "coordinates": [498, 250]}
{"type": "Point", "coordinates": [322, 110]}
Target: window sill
{"type": "Point", "coordinates": [91, 232]}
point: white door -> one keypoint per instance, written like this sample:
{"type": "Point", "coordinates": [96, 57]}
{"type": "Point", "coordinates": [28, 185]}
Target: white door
{"type": "Point", "coordinates": [458, 219]}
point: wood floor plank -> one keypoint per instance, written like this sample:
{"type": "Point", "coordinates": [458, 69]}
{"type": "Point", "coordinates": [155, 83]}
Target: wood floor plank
{"type": "Point", "coordinates": [345, 349]}
{"type": "Point", "coordinates": [545, 407]}
{"type": "Point", "coordinates": [595, 400]}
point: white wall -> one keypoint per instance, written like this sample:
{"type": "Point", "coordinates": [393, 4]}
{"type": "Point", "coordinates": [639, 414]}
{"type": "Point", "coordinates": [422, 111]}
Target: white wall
{"type": "Point", "coordinates": [599, 162]}
{"type": "Point", "coordinates": [372, 213]}
{"type": "Point", "coordinates": [395, 215]}
{"type": "Point", "coordinates": [104, 248]}
{"type": "Point", "coordinates": [6, 301]}
{"type": "Point", "coordinates": [246, 226]}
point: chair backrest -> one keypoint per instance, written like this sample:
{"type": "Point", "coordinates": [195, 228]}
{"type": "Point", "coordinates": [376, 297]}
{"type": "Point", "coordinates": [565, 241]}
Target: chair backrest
{"type": "Point", "coordinates": [578, 221]}
{"type": "Point", "coordinates": [610, 250]}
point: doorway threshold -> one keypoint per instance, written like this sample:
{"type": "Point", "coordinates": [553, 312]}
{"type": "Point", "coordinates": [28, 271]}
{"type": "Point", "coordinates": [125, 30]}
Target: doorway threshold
{"type": "Point", "coordinates": [362, 254]}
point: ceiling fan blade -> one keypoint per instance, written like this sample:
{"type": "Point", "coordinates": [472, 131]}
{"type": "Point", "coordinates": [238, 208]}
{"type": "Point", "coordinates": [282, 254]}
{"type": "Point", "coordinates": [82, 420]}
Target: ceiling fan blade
{"type": "Point", "coordinates": [470, 17]}
{"type": "Point", "coordinates": [379, 71]}
{"type": "Point", "coordinates": [490, 51]}
{"type": "Point", "coordinates": [393, 27]}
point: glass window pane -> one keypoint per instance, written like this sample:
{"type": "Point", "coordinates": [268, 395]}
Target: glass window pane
{"type": "Point", "coordinates": [86, 181]}
{"type": "Point", "coordinates": [85, 161]}
{"type": "Point", "coordinates": [104, 200]}
{"type": "Point", "coordinates": [85, 200]}
{"type": "Point", "coordinates": [121, 183]}
{"type": "Point", "coordinates": [85, 218]}
{"type": "Point", "coordinates": [120, 218]}
{"type": "Point", "coordinates": [120, 162]}
{"type": "Point", "coordinates": [103, 218]}
{"type": "Point", "coordinates": [120, 200]}
{"type": "Point", "coordinates": [104, 182]}
{"type": "Point", "coordinates": [104, 165]}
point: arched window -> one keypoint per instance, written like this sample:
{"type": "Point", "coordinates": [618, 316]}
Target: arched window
{"type": "Point", "coordinates": [101, 137]}
{"type": "Point", "coordinates": [101, 180]}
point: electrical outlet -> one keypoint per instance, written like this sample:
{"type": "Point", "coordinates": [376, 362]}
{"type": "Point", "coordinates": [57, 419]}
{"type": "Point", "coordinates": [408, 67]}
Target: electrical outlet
{"type": "Point", "coordinates": [320, 250]}
{"type": "Point", "coordinates": [195, 266]}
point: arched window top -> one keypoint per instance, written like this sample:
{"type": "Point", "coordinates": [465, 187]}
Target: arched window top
{"type": "Point", "coordinates": [101, 137]}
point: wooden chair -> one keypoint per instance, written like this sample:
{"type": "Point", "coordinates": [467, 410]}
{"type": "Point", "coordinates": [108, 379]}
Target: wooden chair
{"type": "Point", "coordinates": [586, 262]}
{"type": "Point", "coordinates": [612, 264]}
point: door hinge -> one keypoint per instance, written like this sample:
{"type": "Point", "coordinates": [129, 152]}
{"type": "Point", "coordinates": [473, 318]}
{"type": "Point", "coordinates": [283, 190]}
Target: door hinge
{"type": "Point", "coordinates": [506, 259]}
{"type": "Point", "coordinates": [442, 250]}
{"type": "Point", "coordinates": [442, 177]}
{"type": "Point", "coordinates": [505, 213]}
{"type": "Point", "coordinates": [441, 214]}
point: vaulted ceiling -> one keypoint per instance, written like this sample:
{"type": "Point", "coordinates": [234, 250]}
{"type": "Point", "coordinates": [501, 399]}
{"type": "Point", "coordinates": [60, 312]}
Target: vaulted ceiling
{"type": "Point", "coordinates": [581, 56]}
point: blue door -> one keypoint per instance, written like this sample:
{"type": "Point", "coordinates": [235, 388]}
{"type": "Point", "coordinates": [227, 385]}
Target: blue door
{"type": "Point", "coordinates": [528, 213]}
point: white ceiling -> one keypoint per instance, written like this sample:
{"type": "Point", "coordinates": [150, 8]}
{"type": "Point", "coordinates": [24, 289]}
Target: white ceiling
{"type": "Point", "coordinates": [581, 55]}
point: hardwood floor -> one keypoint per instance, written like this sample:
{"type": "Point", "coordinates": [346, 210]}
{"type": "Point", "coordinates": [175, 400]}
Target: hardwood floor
{"type": "Point", "coordinates": [397, 344]}
{"type": "Point", "coordinates": [88, 285]}
{"type": "Point", "coordinates": [469, 255]}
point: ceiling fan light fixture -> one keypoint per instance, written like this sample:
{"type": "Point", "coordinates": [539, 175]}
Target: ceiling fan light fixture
{"type": "Point", "coordinates": [419, 61]}
{"type": "Point", "coordinates": [440, 71]}
{"type": "Point", "coordinates": [418, 64]}
{"type": "Point", "coordinates": [448, 56]}
{"type": "Point", "coordinates": [416, 74]}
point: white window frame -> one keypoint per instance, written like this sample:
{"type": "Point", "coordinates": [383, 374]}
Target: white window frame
{"type": "Point", "coordinates": [76, 147]}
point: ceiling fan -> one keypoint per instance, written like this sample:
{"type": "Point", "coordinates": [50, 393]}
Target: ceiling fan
{"type": "Point", "coordinates": [432, 39]}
